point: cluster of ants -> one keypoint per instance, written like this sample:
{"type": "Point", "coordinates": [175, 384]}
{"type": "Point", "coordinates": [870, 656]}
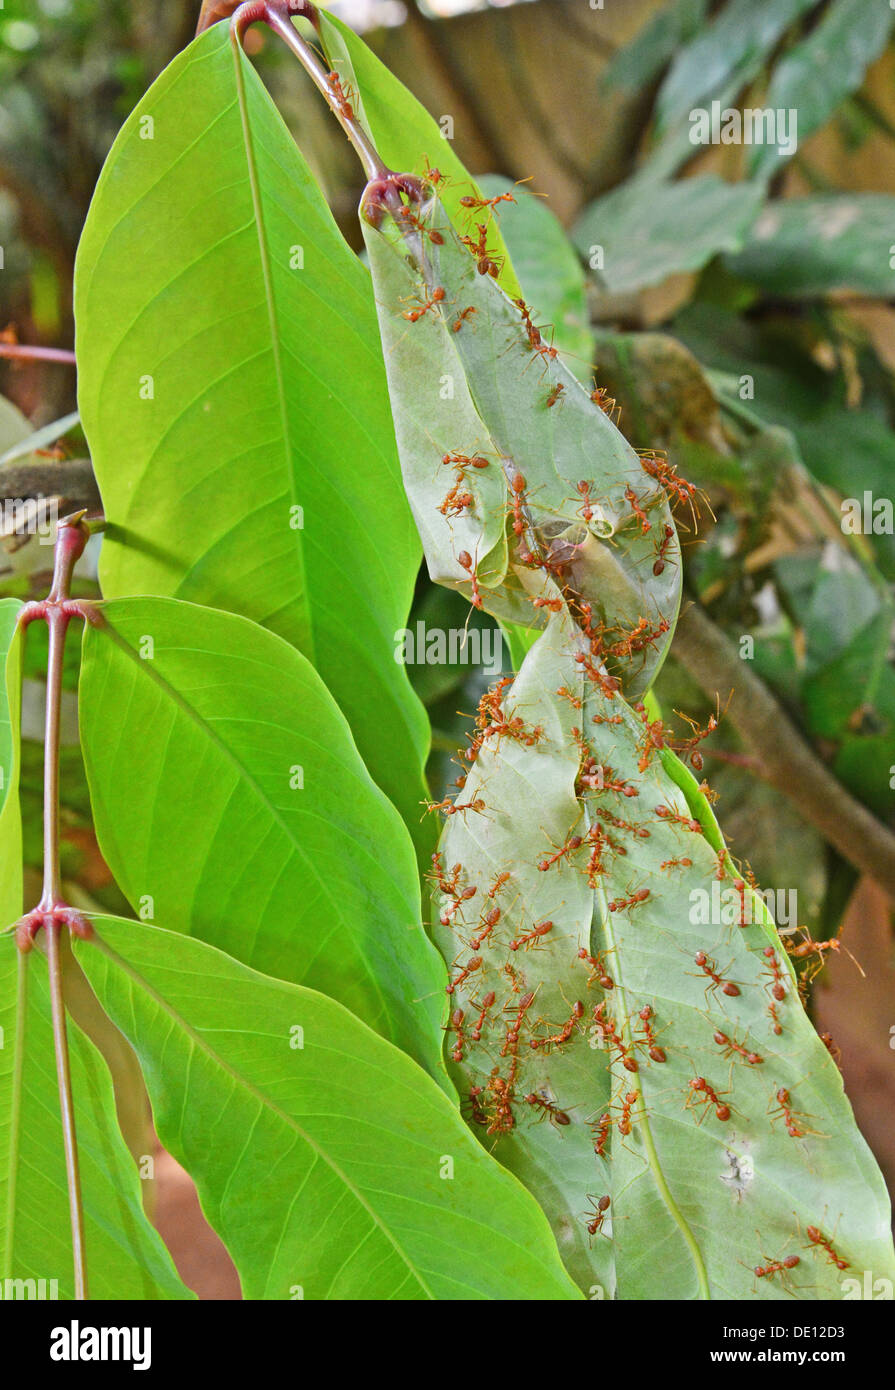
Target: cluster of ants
{"type": "Point", "coordinates": [501, 1015]}
{"type": "Point", "coordinates": [461, 498]}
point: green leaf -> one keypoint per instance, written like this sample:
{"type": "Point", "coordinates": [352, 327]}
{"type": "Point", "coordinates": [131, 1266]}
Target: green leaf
{"type": "Point", "coordinates": [13, 425]}
{"type": "Point", "coordinates": [336, 1169]}
{"type": "Point", "coordinates": [809, 246]}
{"type": "Point", "coordinates": [648, 230]}
{"type": "Point", "coordinates": [823, 69]}
{"type": "Point", "coordinates": [496, 409]}
{"type": "Point", "coordinates": [226, 788]}
{"type": "Point", "coordinates": [694, 1184]}
{"type": "Point", "coordinates": [553, 281]}
{"type": "Point", "coordinates": [125, 1256]}
{"type": "Point", "coordinates": [404, 133]}
{"type": "Point", "coordinates": [633, 67]}
{"type": "Point", "coordinates": [268, 394]}
{"type": "Point", "coordinates": [729, 51]}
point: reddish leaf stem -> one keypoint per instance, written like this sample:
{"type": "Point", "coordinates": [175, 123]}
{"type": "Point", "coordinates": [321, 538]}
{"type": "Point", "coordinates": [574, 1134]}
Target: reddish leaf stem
{"type": "Point", "coordinates": [277, 15]}
{"type": "Point", "coordinates": [52, 913]}
{"type": "Point", "coordinates": [32, 352]}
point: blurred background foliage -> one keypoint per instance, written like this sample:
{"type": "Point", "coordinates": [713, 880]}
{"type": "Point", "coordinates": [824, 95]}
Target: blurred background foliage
{"type": "Point", "coordinates": [737, 305]}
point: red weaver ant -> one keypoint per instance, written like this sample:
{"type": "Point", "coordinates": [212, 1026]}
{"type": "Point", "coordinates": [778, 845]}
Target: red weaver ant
{"type": "Point", "coordinates": [518, 499]}
{"type": "Point", "coordinates": [456, 502]}
{"type": "Point", "coordinates": [477, 1110]}
{"type": "Point", "coordinates": [627, 904]}
{"type": "Point", "coordinates": [587, 508]}
{"type": "Point", "coordinates": [659, 564]}
{"type": "Point", "coordinates": [487, 1003]}
{"type": "Point", "coordinates": [772, 1267]}
{"type": "Point", "coordinates": [565, 693]}
{"type": "Point", "coordinates": [607, 1026]}
{"type": "Point", "coordinates": [702, 1091]}
{"type": "Point", "coordinates": [678, 818]}
{"type": "Point", "coordinates": [637, 509]}
{"type": "Point", "coordinates": [607, 404]}
{"type": "Point", "coordinates": [688, 747]}
{"type": "Point", "coordinates": [413, 315]}
{"type": "Point", "coordinates": [608, 684]}
{"type": "Point", "coordinates": [568, 848]}
{"type": "Point", "coordinates": [464, 560]}
{"type": "Point", "coordinates": [419, 225]}
{"type": "Point", "coordinates": [555, 393]}
{"type": "Point", "coordinates": [817, 1238]}
{"type": "Point", "coordinates": [474, 201]}
{"type": "Point", "coordinates": [448, 913]}
{"type": "Point", "coordinates": [502, 1092]}
{"type": "Point", "coordinates": [778, 988]}
{"type": "Point", "coordinates": [639, 830]}
{"type": "Point", "coordinates": [708, 967]}
{"type": "Point", "coordinates": [452, 808]}
{"type": "Point", "coordinates": [456, 1026]}
{"type": "Point", "coordinates": [535, 934]}
{"type": "Point", "coordinates": [341, 96]}
{"type": "Point", "coordinates": [488, 922]}
{"type": "Point", "coordinates": [791, 1118]}
{"type": "Point", "coordinates": [598, 969]}
{"type": "Point", "coordinates": [597, 1214]}
{"type": "Point", "coordinates": [547, 1108]}
{"type": "Point", "coordinates": [731, 1046]}
{"type": "Point", "coordinates": [624, 1124]}
{"type": "Point", "coordinates": [433, 176]}
{"type": "Point", "coordinates": [485, 262]}
{"type": "Point", "coordinates": [682, 863]}
{"type": "Point", "coordinates": [461, 461]}
{"type": "Point", "coordinates": [499, 881]}
{"type": "Point", "coordinates": [665, 473]}
{"type": "Point", "coordinates": [474, 964]}
{"type": "Point", "coordinates": [603, 1126]}
{"type": "Point", "coordinates": [565, 1033]}
{"type": "Point", "coordinates": [776, 1026]}
{"type": "Point", "coordinates": [511, 1042]}
{"type": "Point", "coordinates": [656, 1053]}
{"type": "Point", "coordinates": [462, 317]}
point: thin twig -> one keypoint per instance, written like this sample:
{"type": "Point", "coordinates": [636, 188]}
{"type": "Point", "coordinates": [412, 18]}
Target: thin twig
{"type": "Point", "coordinates": [787, 761]}
{"type": "Point", "coordinates": [67, 1110]}
{"type": "Point", "coordinates": [277, 14]}
{"type": "Point", "coordinates": [52, 913]}
{"type": "Point", "coordinates": [33, 352]}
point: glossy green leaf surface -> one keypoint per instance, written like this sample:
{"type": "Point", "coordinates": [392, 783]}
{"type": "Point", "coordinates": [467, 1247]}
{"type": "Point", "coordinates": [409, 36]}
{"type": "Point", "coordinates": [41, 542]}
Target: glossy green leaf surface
{"type": "Point", "coordinates": [810, 246]}
{"type": "Point", "coordinates": [727, 53]}
{"type": "Point", "coordinates": [233, 396]}
{"type": "Point", "coordinates": [331, 1166]}
{"type": "Point", "coordinates": [230, 802]}
{"type": "Point", "coordinates": [815, 77]}
{"type": "Point", "coordinates": [644, 231]}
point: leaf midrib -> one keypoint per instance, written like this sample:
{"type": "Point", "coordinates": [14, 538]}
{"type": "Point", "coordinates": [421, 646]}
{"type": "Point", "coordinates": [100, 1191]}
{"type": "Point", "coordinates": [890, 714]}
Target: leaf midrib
{"type": "Point", "coordinates": [197, 720]}
{"type": "Point", "coordinates": [198, 1041]}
